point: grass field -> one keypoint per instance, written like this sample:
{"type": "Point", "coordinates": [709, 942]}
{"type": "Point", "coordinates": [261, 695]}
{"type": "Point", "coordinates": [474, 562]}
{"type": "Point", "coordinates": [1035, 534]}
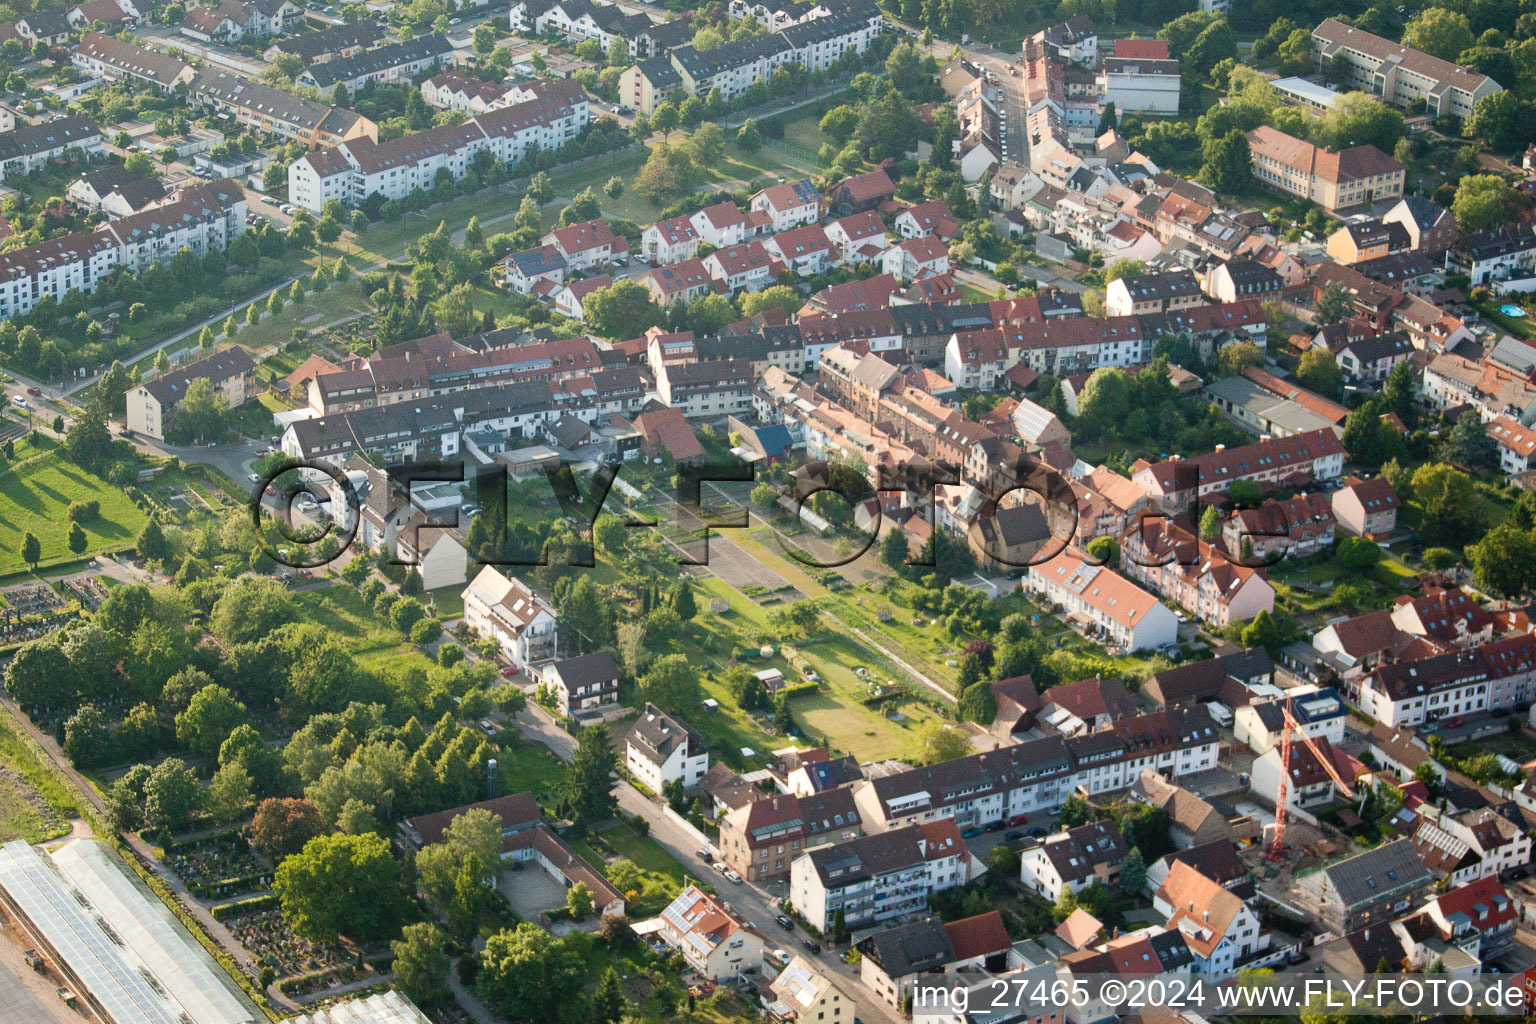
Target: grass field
{"type": "Point", "coordinates": [35, 491]}
{"type": "Point", "coordinates": [529, 767]}
{"type": "Point", "coordinates": [33, 804]}
{"type": "Point", "coordinates": [662, 877]}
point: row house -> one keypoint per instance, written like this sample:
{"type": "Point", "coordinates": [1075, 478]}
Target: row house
{"type": "Point", "coordinates": [107, 57]}
{"type": "Point", "coordinates": [577, 20]}
{"type": "Point", "coordinates": [341, 40]}
{"type": "Point", "coordinates": [1039, 774]}
{"type": "Point", "coordinates": [29, 148]}
{"type": "Point", "coordinates": [269, 110]}
{"type": "Point", "coordinates": [1175, 484]}
{"type": "Point", "coordinates": [1106, 602]}
{"type": "Point", "coordinates": [878, 877]}
{"type": "Point", "coordinates": [1490, 676]}
{"type": "Point", "coordinates": [453, 91]}
{"type": "Point", "coordinates": [1297, 527]}
{"type": "Point", "coordinates": [1193, 574]}
{"type": "Point", "coordinates": [397, 62]}
{"type": "Point", "coordinates": [362, 166]}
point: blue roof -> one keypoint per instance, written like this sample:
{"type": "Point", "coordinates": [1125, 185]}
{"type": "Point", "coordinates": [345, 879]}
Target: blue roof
{"type": "Point", "coordinates": [774, 440]}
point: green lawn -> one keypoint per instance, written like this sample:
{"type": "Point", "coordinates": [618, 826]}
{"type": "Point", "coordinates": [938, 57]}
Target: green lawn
{"type": "Point", "coordinates": [318, 308]}
{"type": "Point", "coordinates": [35, 491]}
{"type": "Point", "coordinates": [661, 876]}
{"type": "Point", "coordinates": [527, 767]}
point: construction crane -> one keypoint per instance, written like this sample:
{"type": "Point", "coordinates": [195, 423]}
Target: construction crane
{"type": "Point", "coordinates": [1276, 849]}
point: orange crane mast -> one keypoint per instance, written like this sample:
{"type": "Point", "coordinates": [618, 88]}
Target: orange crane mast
{"type": "Point", "coordinates": [1277, 841]}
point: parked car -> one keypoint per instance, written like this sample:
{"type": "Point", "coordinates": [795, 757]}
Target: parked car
{"type": "Point", "coordinates": [35, 392]}
{"type": "Point", "coordinates": [972, 832]}
{"type": "Point", "coordinates": [812, 945]}
{"type": "Point", "coordinates": [786, 922]}
{"type": "Point", "coordinates": [1019, 819]}
{"type": "Point", "coordinates": [733, 876]}
{"type": "Point", "coordinates": [19, 400]}
{"type": "Point", "coordinates": [1457, 722]}
{"type": "Point", "coordinates": [995, 826]}
{"type": "Point", "coordinates": [1013, 836]}
{"type": "Point", "coordinates": [1038, 833]}
{"type": "Point", "coordinates": [705, 856]}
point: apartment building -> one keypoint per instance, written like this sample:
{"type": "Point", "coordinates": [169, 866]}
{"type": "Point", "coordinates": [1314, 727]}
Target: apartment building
{"type": "Point", "coordinates": [152, 405]}
{"type": "Point", "coordinates": [1039, 774]}
{"type": "Point", "coordinates": [506, 609]}
{"type": "Point", "coordinates": [1366, 508]}
{"type": "Point", "coordinates": [24, 150]}
{"type": "Point", "coordinates": [200, 217]}
{"type": "Point", "coordinates": [761, 840]}
{"type": "Point", "coordinates": [708, 390]}
{"type": "Point", "coordinates": [361, 166]}
{"type": "Point", "coordinates": [878, 877]}
{"type": "Point", "coordinates": [1336, 180]}
{"type": "Point", "coordinates": [1398, 74]}
{"type": "Point", "coordinates": [1152, 293]}
{"type": "Point", "coordinates": [1490, 676]}
{"type": "Point", "coordinates": [646, 84]}
{"type": "Point", "coordinates": [1139, 84]}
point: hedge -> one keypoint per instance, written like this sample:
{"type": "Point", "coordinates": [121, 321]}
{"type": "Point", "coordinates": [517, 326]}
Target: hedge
{"type": "Point", "coordinates": [240, 908]}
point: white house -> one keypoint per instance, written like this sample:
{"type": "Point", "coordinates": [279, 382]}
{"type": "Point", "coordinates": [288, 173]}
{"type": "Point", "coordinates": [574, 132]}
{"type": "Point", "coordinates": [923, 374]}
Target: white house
{"type": "Point", "coordinates": [505, 609]}
{"type": "Point", "coordinates": [1220, 929]}
{"type": "Point", "coordinates": [1075, 859]}
{"type": "Point", "coordinates": [661, 749]}
{"type": "Point", "coordinates": [790, 204]}
{"type": "Point", "coordinates": [715, 940]}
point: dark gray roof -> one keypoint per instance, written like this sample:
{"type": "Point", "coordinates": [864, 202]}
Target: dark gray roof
{"type": "Point", "coordinates": [50, 135]}
{"type": "Point", "coordinates": [427, 47]}
{"type": "Point", "coordinates": [660, 72]}
{"type": "Point", "coordinates": [1084, 848]}
{"type": "Point", "coordinates": [1171, 285]}
{"type": "Point", "coordinates": [1383, 346]}
{"type": "Point", "coordinates": [171, 387]}
{"type": "Point", "coordinates": [312, 46]}
{"type": "Point", "coordinates": [1370, 875]}
{"type": "Point", "coordinates": [658, 734]}
{"type": "Point", "coordinates": [911, 948]}
{"type": "Point", "coordinates": [587, 669]}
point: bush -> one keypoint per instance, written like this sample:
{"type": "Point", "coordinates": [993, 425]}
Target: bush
{"type": "Point", "coordinates": [241, 908]}
{"type": "Point", "coordinates": [83, 511]}
{"type": "Point", "coordinates": [426, 631]}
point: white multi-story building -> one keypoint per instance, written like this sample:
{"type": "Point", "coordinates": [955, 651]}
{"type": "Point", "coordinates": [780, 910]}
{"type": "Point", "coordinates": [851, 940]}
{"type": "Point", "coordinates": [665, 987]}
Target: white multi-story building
{"type": "Point", "coordinates": [24, 150]}
{"type": "Point", "coordinates": [1040, 774]}
{"type": "Point", "coordinates": [715, 940]}
{"type": "Point", "coordinates": [878, 877]}
{"type": "Point", "coordinates": [1220, 929]}
{"type": "Point", "coordinates": [199, 217]}
{"type": "Point", "coordinates": [661, 749]}
{"type": "Point", "coordinates": [505, 609]}
{"type": "Point", "coordinates": [360, 167]}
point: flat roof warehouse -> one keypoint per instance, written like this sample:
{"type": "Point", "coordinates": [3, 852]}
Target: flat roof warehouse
{"type": "Point", "coordinates": [120, 947]}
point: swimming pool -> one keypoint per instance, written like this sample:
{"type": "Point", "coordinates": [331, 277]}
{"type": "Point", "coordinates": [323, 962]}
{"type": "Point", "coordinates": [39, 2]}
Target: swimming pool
{"type": "Point", "coordinates": [1511, 310]}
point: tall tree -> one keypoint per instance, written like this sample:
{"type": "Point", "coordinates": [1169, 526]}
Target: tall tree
{"type": "Point", "coordinates": [339, 885]}
{"type": "Point", "coordinates": [589, 777]}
